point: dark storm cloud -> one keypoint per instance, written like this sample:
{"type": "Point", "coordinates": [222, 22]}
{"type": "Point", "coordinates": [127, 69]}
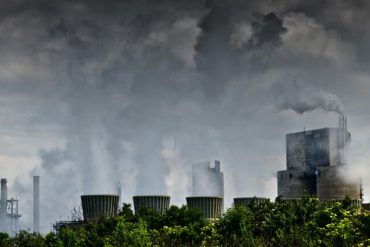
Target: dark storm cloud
{"type": "Point", "coordinates": [267, 30]}
{"type": "Point", "coordinates": [215, 44]}
{"type": "Point", "coordinates": [139, 90]}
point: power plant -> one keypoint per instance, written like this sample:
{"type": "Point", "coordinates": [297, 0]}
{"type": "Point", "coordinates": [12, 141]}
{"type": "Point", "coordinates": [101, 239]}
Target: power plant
{"type": "Point", "coordinates": [315, 161]}
{"type": "Point", "coordinates": [157, 203]}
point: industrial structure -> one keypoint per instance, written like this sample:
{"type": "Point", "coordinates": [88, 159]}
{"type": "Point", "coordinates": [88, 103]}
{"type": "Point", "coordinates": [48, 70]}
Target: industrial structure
{"type": "Point", "coordinates": [157, 203]}
{"type": "Point", "coordinates": [95, 207]}
{"type": "Point", "coordinates": [208, 180]}
{"type": "Point", "coordinates": [210, 206]}
{"type": "Point", "coordinates": [36, 203]}
{"type": "Point", "coordinates": [9, 215]}
{"type": "Point", "coordinates": [246, 201]}
{"type": "Point", "coordinates": [119, 191]}
{"type": "Point", "coordinates": [315, 159]}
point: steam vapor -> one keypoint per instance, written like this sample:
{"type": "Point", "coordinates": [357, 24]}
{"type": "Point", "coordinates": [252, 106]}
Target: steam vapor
{"type": "Point", "coordinates": [302, 99]}
{"type": "Point", "coordinates": [95, 92]}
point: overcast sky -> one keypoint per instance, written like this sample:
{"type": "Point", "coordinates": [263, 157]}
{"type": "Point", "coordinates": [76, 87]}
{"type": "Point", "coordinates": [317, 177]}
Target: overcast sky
{"type": "Point", "coordinates": [94, 92]}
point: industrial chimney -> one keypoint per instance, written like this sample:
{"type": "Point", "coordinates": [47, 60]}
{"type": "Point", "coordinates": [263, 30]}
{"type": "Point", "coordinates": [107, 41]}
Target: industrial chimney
{"type": "Point", "coordinates": [4, 197]}
{"type": "Point", "coordinates": [36, 203]}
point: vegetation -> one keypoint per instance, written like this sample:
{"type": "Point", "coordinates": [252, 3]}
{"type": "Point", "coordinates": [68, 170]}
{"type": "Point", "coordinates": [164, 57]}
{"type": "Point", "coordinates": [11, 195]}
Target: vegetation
{"type": "Point", "coordinates": [305, 222]}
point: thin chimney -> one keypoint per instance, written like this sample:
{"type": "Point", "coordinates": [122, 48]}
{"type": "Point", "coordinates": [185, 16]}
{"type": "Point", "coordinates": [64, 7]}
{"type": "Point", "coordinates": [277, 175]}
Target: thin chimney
{"type": "Point", "coordinates": [36, 203]}
{"type": "Point", "coordinates": [4, 198]}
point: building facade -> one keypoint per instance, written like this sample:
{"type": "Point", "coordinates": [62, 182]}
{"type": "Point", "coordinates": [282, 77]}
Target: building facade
{"type": "Point", "coordinates": [315, 159]}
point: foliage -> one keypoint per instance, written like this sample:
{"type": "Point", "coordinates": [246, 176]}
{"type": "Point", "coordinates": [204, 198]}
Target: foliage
{"type": "Point", "coordinates": [304, 222]}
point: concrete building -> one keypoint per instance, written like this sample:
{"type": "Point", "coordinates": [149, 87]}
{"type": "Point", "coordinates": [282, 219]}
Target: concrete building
{"type": "Point", "coordinates": [331, 185]}
{"type": "Point", "coordinates": [314, 159]}
{"type": "Point", "coordinates": [208, 180]}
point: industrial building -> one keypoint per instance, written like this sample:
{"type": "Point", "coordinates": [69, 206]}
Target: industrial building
{"type": "Point", "coordinates": [9, 215]}
{"type": "Point", "coordinates": [208, 180]}
{"type": "Point", "coordinates": [314, 161]}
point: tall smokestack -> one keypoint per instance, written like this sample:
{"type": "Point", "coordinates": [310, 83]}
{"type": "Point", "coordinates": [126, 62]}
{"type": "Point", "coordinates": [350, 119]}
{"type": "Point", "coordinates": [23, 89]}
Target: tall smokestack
{"type": "Point", "coordinates": [119, 192]}
{"type": "Point", "coordinates": [36, 203]}
{"type": "Point", "coordinates": [4, 197]}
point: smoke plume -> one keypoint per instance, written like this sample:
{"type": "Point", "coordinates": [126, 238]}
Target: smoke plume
{"type": "Point", "coordinates": [95, 92]}
{"type": "Point", "coordinates": [300, 99]}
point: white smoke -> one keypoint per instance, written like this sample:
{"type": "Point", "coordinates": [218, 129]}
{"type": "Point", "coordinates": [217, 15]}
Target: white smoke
{"type": "Point", "coordinates": [176, 178]}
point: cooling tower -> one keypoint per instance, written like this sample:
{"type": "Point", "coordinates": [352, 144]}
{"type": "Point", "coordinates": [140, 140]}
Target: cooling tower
{"type": "Point", "coordinates": [246, 201]}
{"type": "Point", "coordinates": [332, 186]}
{"type": "Point", "coordinates": [158, 203]}
{"type": "Point", "coordinates": [98, 206]}
{"type": "Point", "coordinates": [209, 206]}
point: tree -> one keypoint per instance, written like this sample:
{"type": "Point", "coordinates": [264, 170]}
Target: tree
{"type": "Point", "coordinates": [129, 234]}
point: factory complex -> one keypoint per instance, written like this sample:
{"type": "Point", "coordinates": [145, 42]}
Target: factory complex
{"type": "Point", "coordinates": [315, 163]}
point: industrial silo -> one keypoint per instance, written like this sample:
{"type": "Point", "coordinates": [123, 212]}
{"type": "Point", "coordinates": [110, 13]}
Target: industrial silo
{"type": "Point", "coordinates": [246, 201]}
{"type": "Point", "coordinates": [209, 206]}
{"type": "Point", "coordinates": [98, 206]}
{"type": "Point", "coordinates": [158, 203]}
{"type": "Point", "coordinates": [331, 185]}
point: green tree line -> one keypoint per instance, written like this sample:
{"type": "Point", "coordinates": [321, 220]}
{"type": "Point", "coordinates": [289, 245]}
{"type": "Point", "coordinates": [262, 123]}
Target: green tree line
{"type": "Point", "coordinates": [305, 222]}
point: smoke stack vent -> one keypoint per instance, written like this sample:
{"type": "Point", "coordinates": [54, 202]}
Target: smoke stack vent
{"type": "Point", "coordinates": [158, 203]}
{"type": "Point", "coordinates": [36, 203]}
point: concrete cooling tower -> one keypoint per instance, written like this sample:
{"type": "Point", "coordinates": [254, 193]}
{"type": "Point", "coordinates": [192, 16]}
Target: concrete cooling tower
{"type": "Point", "coordinates": [209, 206]}
{"type": "Point", "coordinates": [158, 203]}
{"type": "Point", "coordinates": [98, 206]}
